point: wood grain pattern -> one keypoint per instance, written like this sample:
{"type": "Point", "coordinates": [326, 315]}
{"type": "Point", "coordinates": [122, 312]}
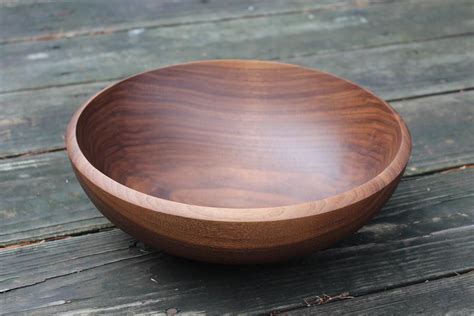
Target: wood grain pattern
{"type": "Point", "coordinates": [238, 161]}
{"type": "Point", "coordinates": [40, 198]}
{"type": "Point", "coordinates": [39, 64]}
{"type": "Point", "coordinates": [442, 127]}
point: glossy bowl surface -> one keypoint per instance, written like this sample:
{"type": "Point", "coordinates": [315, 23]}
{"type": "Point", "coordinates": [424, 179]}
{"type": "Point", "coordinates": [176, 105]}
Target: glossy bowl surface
{"type": "Point", "coordinates": [238, 161]}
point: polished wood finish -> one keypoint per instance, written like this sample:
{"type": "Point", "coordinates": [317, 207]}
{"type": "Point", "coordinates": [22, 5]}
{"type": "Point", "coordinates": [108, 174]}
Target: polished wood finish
{"type": "Point", "coordinates": [238, 161]}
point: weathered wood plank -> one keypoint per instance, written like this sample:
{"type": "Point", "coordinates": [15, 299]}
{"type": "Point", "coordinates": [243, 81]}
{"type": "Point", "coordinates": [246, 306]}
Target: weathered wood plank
{"type": "Point", "coordinates": [421, 234]}
{"type": "Point", "coordinates": [401, 71]}
{"type": "Point", "coordinates": [450, 296]}
{"type": "Point", "coordinates": [40, 198]}
{"type": "Point", "coordinates": [422, 205]}
{"type": "Point", "coordinates": [442, 128]}
{"type": "Point", "coordinates": [31, 65]}
{"type": "Point", "coordinates": [36, 120]}
{"type": "Point", "coordinates": [38, 20]}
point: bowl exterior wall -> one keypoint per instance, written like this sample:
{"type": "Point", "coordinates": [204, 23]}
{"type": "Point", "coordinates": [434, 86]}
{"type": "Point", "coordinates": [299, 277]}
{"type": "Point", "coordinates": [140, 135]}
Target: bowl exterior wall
{"type": "Point", "coordinates": [236, 242]}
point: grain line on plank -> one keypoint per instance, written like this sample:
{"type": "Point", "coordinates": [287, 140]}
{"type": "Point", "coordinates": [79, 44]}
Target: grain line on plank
{"type": "Point", "coordinates": [434, 94]}
{"type": "Point", "coordinates": [35, 242]}
{"type": "Point", "coordinates": [34, 152]}
{"type": "Point", "coordinates": [305, 303]}
{"type": "Point", "coordinates": [440, 170]}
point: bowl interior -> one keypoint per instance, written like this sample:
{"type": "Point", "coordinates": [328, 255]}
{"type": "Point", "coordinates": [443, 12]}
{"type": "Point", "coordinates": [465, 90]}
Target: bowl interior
{"type": "Point", "coordinates": [238, 134]}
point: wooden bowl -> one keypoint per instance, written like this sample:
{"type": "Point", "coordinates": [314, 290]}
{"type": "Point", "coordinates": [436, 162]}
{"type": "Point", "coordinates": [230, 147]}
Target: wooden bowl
{"type": "Point", "coordinates": [238, 161]}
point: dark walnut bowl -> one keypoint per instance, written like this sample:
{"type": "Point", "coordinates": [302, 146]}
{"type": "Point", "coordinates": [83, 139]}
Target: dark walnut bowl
{"type": "Point", "coordinates": [238, 161]}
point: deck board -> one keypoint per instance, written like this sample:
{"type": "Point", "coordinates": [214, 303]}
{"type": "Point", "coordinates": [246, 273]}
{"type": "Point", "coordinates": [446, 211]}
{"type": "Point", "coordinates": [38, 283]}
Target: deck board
{"type": "Point", "coordinates": [425, 232]}
{"type": "Point", "coordinates": [39, 64]}
{"type": "Point", "coordinates": [40, 198]}
{"type": "Point", "coordinates": [441, 127]}
{"type": "Point", "coordinates": [408, 70]}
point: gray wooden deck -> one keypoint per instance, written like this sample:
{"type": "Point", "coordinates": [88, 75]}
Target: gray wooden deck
{"type": "Point", "coordinates": [58, 254]}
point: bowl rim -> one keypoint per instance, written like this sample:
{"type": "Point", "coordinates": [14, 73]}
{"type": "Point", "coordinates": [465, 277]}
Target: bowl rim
{"type": "Point", "coordinates": [225, 214]}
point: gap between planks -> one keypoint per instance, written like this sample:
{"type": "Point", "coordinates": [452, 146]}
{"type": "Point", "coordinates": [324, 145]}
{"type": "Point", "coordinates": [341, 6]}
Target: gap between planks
{"type": "Point", "coordinates": [36, 242]}
{"type": "Point", "coordinates": [343, 296]}
{"type": "Point", "coordinates": [33, 153]}
{"type": "Point", "coordinates": [434, 94]}
{"type": "Point", "coordinates": [440, 170]}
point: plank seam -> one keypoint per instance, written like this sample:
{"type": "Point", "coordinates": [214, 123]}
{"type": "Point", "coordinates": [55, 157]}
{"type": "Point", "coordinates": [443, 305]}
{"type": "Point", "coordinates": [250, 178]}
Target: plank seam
{"type": "Point", "coordinates": [34, 152]}
{"type": "Point", "coordinates": [305, 304]}
{"type": "Point", "coordinates": [76, 271]}
{"type": "Point", "coordinates": [434, 94]}
{"type": "Point", "coordinates": [34, 242]}
{"type": "Point", "coordinates": [440, 170]}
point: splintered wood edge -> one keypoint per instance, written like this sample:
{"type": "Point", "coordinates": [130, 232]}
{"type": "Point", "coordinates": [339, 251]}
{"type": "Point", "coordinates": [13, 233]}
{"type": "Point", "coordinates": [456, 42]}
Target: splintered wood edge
{"type": "Point", "coordinates": [107, 184]}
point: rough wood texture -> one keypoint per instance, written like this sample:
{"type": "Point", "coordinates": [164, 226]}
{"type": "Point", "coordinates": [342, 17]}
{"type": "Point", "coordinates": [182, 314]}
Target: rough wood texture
{"type": "Point", "coordinates": [25, 123]}
{"type": "Point", "coordinates": [399, 71]}
{"type": "Point", "coordinates": [55, 19]}
{"type": "Point", "coordinates": [40, 198]}
{"type": "Point", "coordinates": [426, 231]}
{"type": "Point", "coordinates": [442, 138]}
{"type": "Point", "coordinates": [238, 161]}
{"type": "Point", "coordinates": [422, 205]}
{"type": "Point", "coordinates": [450, 296]}
{"type": "Point", "coordinates": [105, 278]}
{"type": "Point", "coordinates": [114, 56]}
{"type": "Point", "coordinates": [36, 121]}
{"type": "Point", "coordinates": [442, 128]}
